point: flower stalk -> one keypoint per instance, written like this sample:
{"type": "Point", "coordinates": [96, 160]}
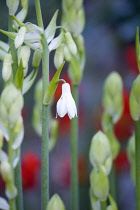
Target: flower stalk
{"type": "Point", "coordinates": [137, 162]}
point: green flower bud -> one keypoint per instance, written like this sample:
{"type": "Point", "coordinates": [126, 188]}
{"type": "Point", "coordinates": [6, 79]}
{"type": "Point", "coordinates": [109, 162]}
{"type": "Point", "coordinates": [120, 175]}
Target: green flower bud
{"type": "Point", "coordinates": [100, 150]}
{"type": "Point", "coordinates": [36, 120]}
{"type": "Point", "coordinates": [11, 104]}
{"type": "Point", "coordinates": [59, 56]}
{"type": "Point", "coordinates": [20, 37]}
{"type": "Point", "coordinates": [112, 97]}
{"type": "Point", "coordinates": [38, 92]}
{"type": "Point", "coordinates": [70, 43]}
{"type": "Point", "coordinates": [135, 99]}
{"type": "Point", "coordinates": [24, 55]}
{"type": "Point", "coordinates": [99, 184]}
{"type": "Point", "coordinates": [11, 190]}
{"type": "Point", "coordinates": [1, 139]}
{"type": "Point", "coordinates": [24, 3]}
{"type": "Point", "coordinates": [36, 59]}
{"type": "Point", "coordinates": [6, 171]}
{"type": "Point", "coordinates": [79, 23]}
{"type": "Point", "coordinates": [67, 54]}
{"type": "Point", "coordinates": [12, 5]}
{"type": "Point", "coordinates": [55, 203]}
{"type": "Point", "coordinates": [7, 67]}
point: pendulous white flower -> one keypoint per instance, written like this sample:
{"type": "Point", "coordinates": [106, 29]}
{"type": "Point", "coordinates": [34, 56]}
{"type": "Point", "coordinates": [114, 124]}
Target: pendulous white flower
{"type": "Point", "coordinates": [66, 103]}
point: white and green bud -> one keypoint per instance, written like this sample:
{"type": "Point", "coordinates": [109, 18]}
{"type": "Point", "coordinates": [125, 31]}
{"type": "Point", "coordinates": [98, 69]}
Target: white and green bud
{"type": "Point", "coordinates": [95, 202]}
{"type": "Point", "coordinates": [4, 46]}
{"type": "Point", "coordinates": [7, 67]}
{"type": "Point", "coordinates": [6, 171]}
{"type": "Point", "coordinates": [67, 53]}
{"type": "Point", "coordinates": [24, 3]}
{"type": "Point", "coordinates": [112, 96]}
{"type": "Point", "coordinates": [55, 203]}
{"type": "Point", "coordinates": [11, 190]}
{"type": "Point", "coordinates": [20, 37]}
{"type": "Point", "coordinates": [113, 205]}
{"type": "Point", "coordinates": [36, 59]}
{"type": "Point", "coordinates": [70, 43]}
{"type": "Point", "coordinates": [55, 43]}
{"type": "Point", "coordinates": [24, 55]}
{"type": "Point", "coordinates": [1, 139]}
{"type": "Point", "coordinates": [59, 56]}
{"type": "Point", "coordinates": [99, 184]}
{"type": "Point", "coordinates": [11, 104]}
{"type": "Point", "coordinates": [100, 151]}
{"type": "Point", "coordinates": [12, 5]}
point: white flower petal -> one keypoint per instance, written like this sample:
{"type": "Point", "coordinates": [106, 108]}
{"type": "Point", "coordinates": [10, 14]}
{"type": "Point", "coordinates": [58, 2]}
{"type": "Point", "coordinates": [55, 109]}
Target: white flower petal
{"type": "Point", "coordinates": [61, 107]}
{"type": "Point", "coordinates": [71, 106]}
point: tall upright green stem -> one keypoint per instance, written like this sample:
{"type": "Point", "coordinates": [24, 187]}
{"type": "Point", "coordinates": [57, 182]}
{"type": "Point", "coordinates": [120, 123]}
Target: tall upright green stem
{"type": "Point", "coordinates": [137, 162]}
{"type": "Point", "coordinates": [74, 155]}
{"type": "Point", "coordinates": [45, 116]}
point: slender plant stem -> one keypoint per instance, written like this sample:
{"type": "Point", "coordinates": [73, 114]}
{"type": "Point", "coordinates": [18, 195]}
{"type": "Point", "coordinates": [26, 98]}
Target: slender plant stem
{"type": "Point", "coordinates": [38, 13]}
{"type": "Point", "coordinates": [74, 155]}
{"type": "Point", "coordinates": [18, 183]}
{"type": "Point", "coordinates": [10, 157]}
{"type": "Point", "coordinates": [137, 162]}
{"type": "Point", "coordinates": [103, 205]}
{"type": "Point", "coordinates": [45, 116]}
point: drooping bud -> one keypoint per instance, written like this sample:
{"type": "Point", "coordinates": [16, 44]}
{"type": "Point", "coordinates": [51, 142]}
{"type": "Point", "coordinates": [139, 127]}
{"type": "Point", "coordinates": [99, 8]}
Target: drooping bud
{"type": "Point", "coordinates": [20, 37]}
{"type": "Point", "coordinates": [6, 171]}
{"type": "Point", "coordinates": [55, 43]}
{"type": "Point", "coordinates": [24, 55]}
{"type": "Point", "coordinates": [135, 99]}
{"type": "Point", "coordinates": [7, 67]}
{"type": "Point", "coordinates": [36, 59]}
{"type": "Point", "coordinates": [70, 43]}
{"type": "Point", "coordinates": [100, 151]}
{"type": "Point", "coordinates": [99, 184]}
{"type": "Point", "coordinates": [12, 5]}
{"type": "Point", "coordinates": [11, 104]}
{"type": "Point", "coordinates": [55, 203]}
{"type": "Point", "coordinates": [59, 56]}
{"type": "Point", "coordinates": [112, 97]}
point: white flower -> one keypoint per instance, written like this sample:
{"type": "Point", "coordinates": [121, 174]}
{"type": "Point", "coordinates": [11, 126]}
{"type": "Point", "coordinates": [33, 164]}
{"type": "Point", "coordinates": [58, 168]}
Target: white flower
{"type": "Point", "coordinates": [66, 103]}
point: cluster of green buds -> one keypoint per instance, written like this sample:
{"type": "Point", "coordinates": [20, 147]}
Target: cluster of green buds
{"type": "Point", "coordinates": [11, 127]}
{"type": "Point", "coordinates": [101, 159]}
{"type": "Point", "coordinates": [55, 203]}
{"type": "Point", "coordinates": [113, 107]}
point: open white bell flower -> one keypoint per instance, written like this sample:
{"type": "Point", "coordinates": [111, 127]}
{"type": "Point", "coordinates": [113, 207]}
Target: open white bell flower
{"type": "Point", "coordinates": [66, 103]}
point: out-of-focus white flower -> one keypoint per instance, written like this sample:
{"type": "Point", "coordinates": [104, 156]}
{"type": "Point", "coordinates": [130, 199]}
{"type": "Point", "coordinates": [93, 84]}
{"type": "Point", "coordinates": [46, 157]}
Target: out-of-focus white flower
{"type": "Point", "coordinates": [66, 103]}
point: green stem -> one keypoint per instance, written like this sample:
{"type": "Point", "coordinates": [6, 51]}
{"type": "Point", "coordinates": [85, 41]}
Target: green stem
{"type": "Point", "coordinates": [10, 158]}
{"type": "Point", "coordinates": [137, 162]}
{"type": "Point", "coordinates": [45, 116]}
{"type": "Point", "coordinates": [103, 205]}
{"type": "Point", "coordinates": [18, 183]}
{"type": "Point", "coordinates": [45, 127]}
{"type": "Point", "coordinates": [112, 179]}
{"type": "Point", "coordinates": [38, 13]}
{"type": "Point", "coordinates": [74, 155]}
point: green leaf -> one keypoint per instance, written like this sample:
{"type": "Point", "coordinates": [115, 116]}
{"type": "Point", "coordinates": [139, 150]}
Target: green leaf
{"type": "Point", "coordinates": [29, 80]}
{"type": "Point", "coordinates": [52, 86]}
{"type": "Point", "coordinates": [19, 76]}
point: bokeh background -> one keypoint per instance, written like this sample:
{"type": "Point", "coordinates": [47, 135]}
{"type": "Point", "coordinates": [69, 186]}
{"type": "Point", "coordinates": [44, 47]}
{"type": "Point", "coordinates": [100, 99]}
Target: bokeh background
{"type": "Point", "coordinates": [110, 46]}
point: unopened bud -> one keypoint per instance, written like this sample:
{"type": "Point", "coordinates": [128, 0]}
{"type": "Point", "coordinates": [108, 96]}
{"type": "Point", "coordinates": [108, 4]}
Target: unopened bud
{"type": "Point", "coordinates": [100, 149]}
{"type": "Point", "coordinates": [11, 104]}
{"type": "Point", "coordinates": [24, 55]}
{"type": "Point", "coordinates": [71, 44]}
{"type": "Point", "coordinates": [95, 202]}
{"type": "Point", "coordinates": [7, 67]}
{"type": "Point", "coordinates": [112, 98]}
{"type": "Point", "coordinates": [11, 190]}
{"type": "Point", "coordinates": [6, 171]}
{"type": "Point", "coordinates": [59, 56]}
{"type": "Point", "coordinates": [99, 184]}
{"type": "Point", "coordinates": [113, 205]}
{"type": "Point", "coordinates": [12, 5]}
{"type": "Point", "coordinates": [55, 43]}
{"type": "Point", "coordinates": [36, 58]}
{"type": "Point", "coordinates": [20, 37]}
{"type": "Point", "coordinates": [55, 203]}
